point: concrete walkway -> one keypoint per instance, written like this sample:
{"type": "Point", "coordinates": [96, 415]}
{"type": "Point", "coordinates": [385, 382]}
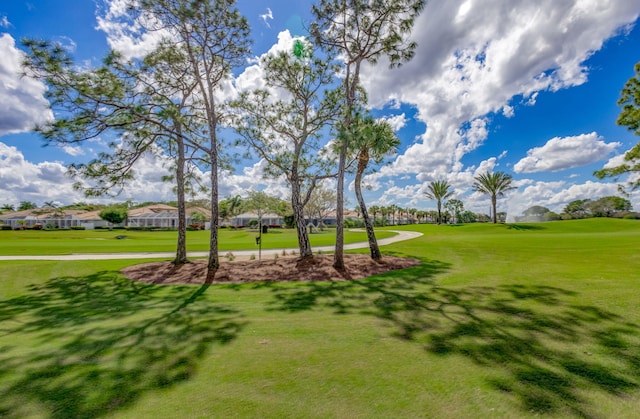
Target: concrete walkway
{"type": "Point", "coordinates": [400, 236]}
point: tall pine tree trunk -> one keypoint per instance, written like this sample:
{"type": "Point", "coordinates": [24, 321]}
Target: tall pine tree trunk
{"type": "Point", "coordinates": [298, 215]}
{"type": "Point", "coordinates": [214, 259]}
{"type": "Point", "coordinates": [181, 250]}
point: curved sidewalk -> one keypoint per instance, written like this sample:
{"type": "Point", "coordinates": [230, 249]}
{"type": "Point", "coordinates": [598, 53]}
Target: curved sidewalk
{"type": "Point", "coordinates": [400, 236]}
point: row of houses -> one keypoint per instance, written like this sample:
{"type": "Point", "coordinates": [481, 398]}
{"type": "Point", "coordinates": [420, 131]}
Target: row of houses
{"type": "Point", "coordinates": [159, 216]}
{"type": "Point", "coordinates": [152, 216]}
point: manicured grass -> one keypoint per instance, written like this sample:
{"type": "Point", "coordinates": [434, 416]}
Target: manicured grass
{"type": "Point", "coordinates": [499, 321]}
{"type": "Point", "coordinates": [61, 242]}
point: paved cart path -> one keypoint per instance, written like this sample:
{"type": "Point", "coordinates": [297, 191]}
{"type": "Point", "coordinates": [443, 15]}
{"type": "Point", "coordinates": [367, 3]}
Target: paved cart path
{"type": "Point", "coordinates": [400, 236]}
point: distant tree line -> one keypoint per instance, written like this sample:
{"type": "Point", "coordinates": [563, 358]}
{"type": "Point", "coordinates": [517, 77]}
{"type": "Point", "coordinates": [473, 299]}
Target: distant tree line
{"type": "Point", "coordinates": [608, 206]}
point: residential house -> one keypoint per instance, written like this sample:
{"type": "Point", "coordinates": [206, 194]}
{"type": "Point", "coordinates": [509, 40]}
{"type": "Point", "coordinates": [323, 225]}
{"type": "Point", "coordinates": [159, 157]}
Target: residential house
{"type": "Point", "coordinates": [244, 220]}
{"type": "Point", "coordinates": [152, 216]}
{"type": "Point", "coordinates": [162, 216]}
{"type": "Point", "coordinates": [45, 217]}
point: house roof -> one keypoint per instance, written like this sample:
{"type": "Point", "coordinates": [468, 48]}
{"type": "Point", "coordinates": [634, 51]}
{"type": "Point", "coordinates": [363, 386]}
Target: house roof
{"type": "Point", "coordinates": [150, 209]}
{"type": "Point", "coordinates": [89, 215]}
{"type": "Point", "coordinates": [39, 213]}
{"type": "Point", "coordinates": [204, 211]}
{"type": "Point", "coordinates": [254, 215]}
{"type": "Point", "coordinates": [16, 215]}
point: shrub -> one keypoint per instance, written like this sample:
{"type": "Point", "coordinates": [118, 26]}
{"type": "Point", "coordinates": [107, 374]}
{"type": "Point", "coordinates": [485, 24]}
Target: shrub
{"type": "Point", "coordinates": [350, 223]}
{"type": "Point", "coordinates": [37, 227]}
{"type": "Point", "coordinates": [78, 228]}
{"type": "Point", "coordinates": [5, 227]}
{"type": "Point", "coordinates": [114, 214]}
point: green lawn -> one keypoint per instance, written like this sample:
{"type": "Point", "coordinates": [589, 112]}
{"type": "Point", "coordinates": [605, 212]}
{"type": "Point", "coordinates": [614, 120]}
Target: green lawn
{"type": "Point", "coordinates": [62, 242]}
{"type": "Point", "coordinates": [529, 320]}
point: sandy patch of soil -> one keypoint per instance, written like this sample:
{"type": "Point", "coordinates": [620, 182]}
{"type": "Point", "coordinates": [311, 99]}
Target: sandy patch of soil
{"type": "Point", "coordinates": [317, 268]}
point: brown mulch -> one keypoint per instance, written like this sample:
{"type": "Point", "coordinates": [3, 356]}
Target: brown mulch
{"type": "Point", "coordinates": [317, 268]}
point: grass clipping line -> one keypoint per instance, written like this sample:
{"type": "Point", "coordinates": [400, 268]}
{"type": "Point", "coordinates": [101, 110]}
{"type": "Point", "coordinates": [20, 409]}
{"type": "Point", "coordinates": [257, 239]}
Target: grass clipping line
{"type": "Point", "coordinates": [284, 269]}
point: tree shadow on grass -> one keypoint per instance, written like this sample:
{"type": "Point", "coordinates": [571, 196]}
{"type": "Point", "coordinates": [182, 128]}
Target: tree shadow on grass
{"type": "Point", "coordinates": [83, 347]}
{"type": "Point", "coordinates": [538, 346]}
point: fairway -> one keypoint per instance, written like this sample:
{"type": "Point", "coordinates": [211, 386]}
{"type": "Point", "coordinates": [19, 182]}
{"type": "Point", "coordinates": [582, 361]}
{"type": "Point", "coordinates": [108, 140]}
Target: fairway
{"type": "Point", "coordinates": [64, 242]}
{"type": "Point", "coordinates": [501, 321]}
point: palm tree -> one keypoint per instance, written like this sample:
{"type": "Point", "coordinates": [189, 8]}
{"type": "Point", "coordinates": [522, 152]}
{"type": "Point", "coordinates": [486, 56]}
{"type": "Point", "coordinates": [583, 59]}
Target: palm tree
{"type": "Point", "coordinates": [393, 208]}
{"type": "Point", "coordinates": [439, 190]}
{"type": "Point", "coordinates": [234, 205]}
{"type": "Point", "coordinates": [53, 208]}
{"type": "Point", "coordinates": [375, 210]}
{"type": "Point", "coordinates": [413, 212]}
{"type": "Point", "coordinates": [384, 212]}
{"type": "Point", "coordinates": [373, 140]}
{"type": "Point", "coordinates": [495, 185]}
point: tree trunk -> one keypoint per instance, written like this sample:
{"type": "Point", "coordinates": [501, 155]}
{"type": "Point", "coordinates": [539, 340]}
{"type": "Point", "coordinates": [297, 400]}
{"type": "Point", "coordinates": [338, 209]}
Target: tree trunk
{"type": "Point", "coordinates": [338, 256]}
{"type": "Point", "coordinates": [494, 205]}
{"type": "Point", "coordinates": [439, 212]}
{"type": "Point", "coordinates": [214, 261]}
{"type": "Point", "coordinates": [371, 236]}
{"type": "Point", "coordinates": [298, 215]}
{"type": "Point", "coordinates": [181, 250]}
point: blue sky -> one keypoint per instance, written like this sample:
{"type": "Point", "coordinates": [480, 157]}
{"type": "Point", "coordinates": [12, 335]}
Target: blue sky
{"type": "Point", "coordinates": [509, 85]}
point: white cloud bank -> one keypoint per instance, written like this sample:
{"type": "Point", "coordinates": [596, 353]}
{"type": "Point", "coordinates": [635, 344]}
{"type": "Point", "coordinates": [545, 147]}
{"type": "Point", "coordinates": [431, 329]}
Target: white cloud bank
{"type": "Point", "coordinates": [22, 180]}
{"type": "Point", "coordinates": [22, 104]}
{"type": "Point", "coordinates": [475, 57]}
{"type": "Point", "coordinates": [565, 153]}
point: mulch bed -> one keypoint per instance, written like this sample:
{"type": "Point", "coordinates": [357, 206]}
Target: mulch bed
{"type": "Point", "coordinates": [316, 268]}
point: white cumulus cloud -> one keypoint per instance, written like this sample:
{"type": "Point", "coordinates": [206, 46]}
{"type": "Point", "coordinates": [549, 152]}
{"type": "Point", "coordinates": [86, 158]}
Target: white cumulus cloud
{"type": "Point", "coordinates": [565, 153]}
{"type": "Point", "coordinates": [21, 180]}
{"type": "Point", "coordinates": [268, 15]}
{"type": "Point", "coordinates": [126, 32]}
{"type": "Point", "coordinates": [397, 122]}
{"type": "Point", "coordinates": [473, 58]}
{"type": "Point", "coordinates": [22, 104]}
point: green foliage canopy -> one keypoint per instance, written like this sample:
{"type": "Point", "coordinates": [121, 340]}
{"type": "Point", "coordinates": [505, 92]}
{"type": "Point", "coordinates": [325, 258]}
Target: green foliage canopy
{"type": "Point", "coordinates": [495, 185]}
{"type": "Point", "coordinates": [114, 215]}
{"type": "Point", "coordinates": [630, 118]}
